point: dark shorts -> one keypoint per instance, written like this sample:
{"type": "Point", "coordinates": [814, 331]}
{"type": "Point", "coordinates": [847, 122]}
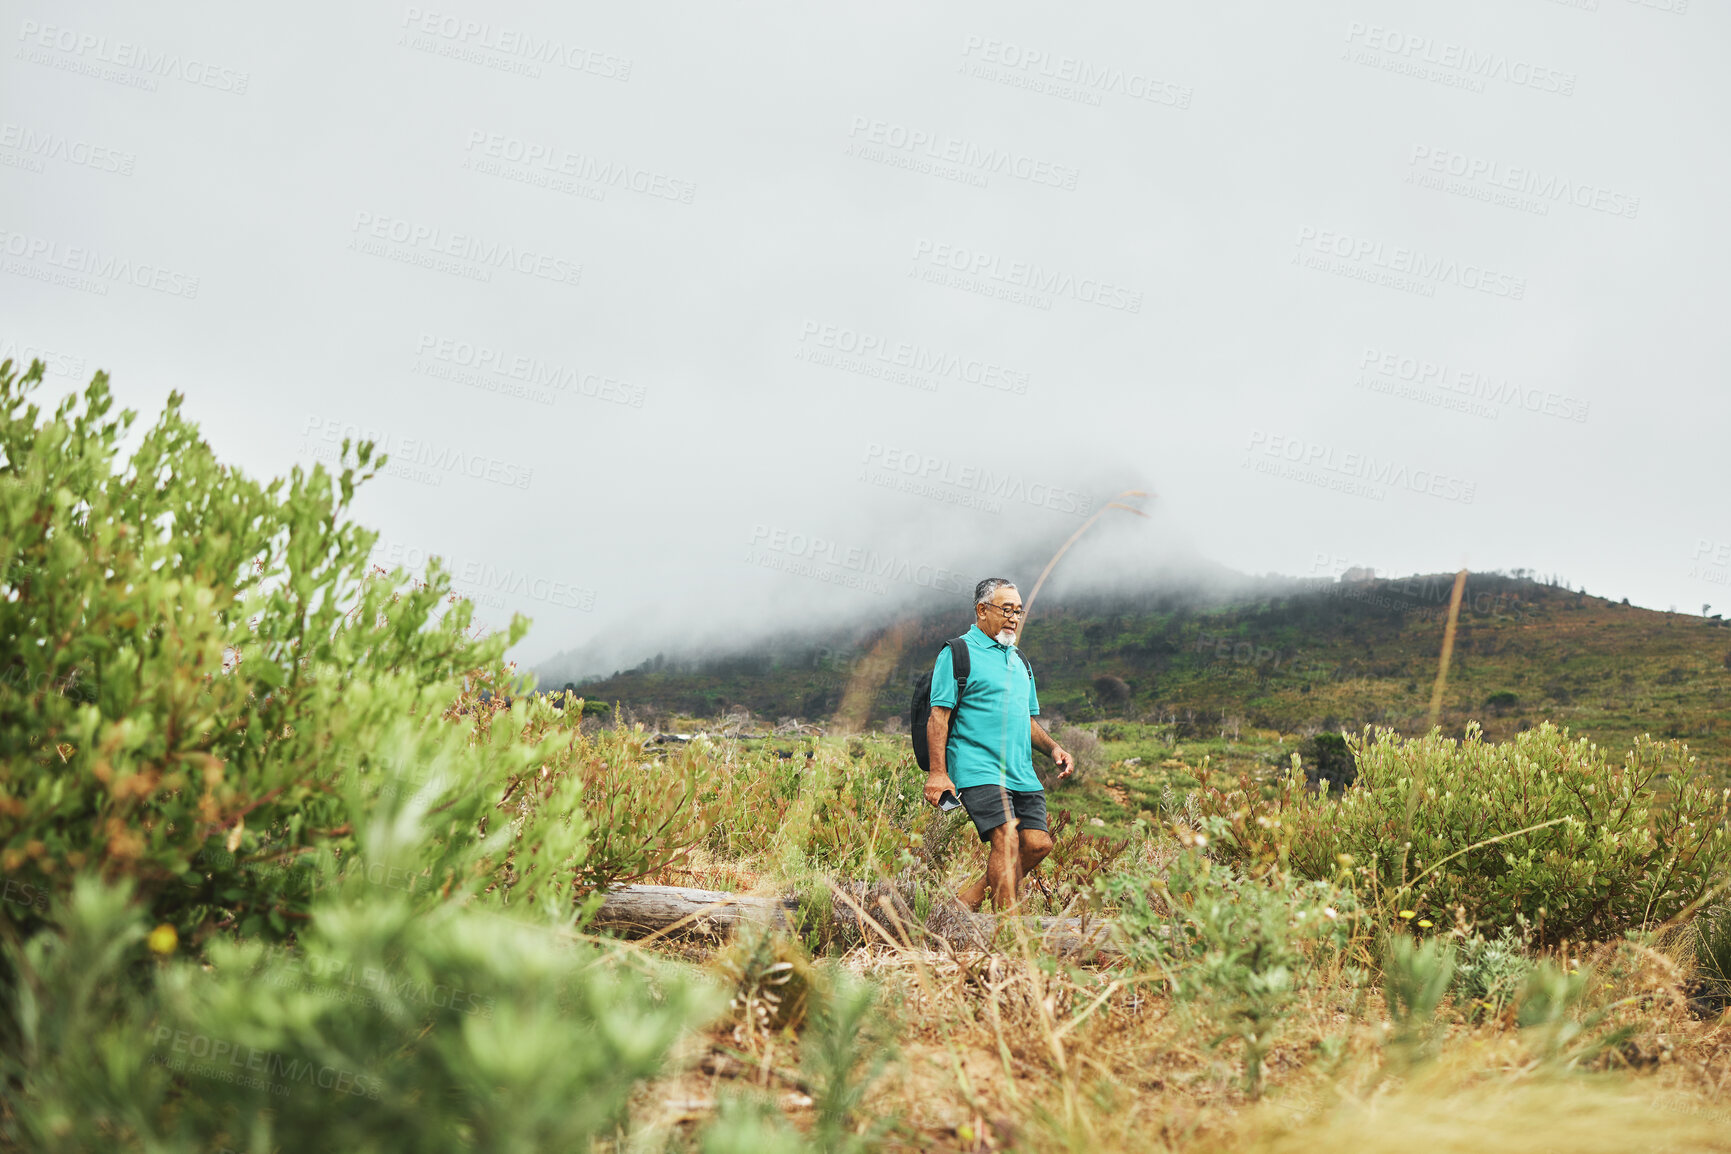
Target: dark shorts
{"type": "Point", "coordinates": [986, 804]}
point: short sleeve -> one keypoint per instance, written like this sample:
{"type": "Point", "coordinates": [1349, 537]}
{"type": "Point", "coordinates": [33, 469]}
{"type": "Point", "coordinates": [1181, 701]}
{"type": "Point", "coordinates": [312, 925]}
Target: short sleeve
{"type": "Point", "coordinates": [1033, 698]}
{"type": "Point", "coordinates": [943, 681]}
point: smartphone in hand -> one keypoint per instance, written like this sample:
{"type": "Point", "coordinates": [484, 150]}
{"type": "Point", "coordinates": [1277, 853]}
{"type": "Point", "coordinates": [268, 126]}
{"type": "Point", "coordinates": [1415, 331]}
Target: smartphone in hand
{"type": "Point", "coordinates": [948, 801]}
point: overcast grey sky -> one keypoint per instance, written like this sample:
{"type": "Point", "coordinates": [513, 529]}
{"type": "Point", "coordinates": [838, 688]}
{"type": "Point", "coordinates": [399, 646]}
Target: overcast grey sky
{"type": "Point", "coordinates": [686, 321]}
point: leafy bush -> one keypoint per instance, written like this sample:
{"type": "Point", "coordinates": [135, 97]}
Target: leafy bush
{"type": "Point", "coordinates": [391, 1028]}
{"type": "Point", "coordinates": [848, 1044]}
{"type": "Point", "coordinates": [227, 640]}
{"type": "Point", "coordinates": [1416, 976]}
{"type": "Point", "coordinates": [1490, 973]}
{"type": "Point", "coordinates": [1236, 948]}
{"type": "Point", "coordinates": [751, 1126]}
{"type": "Point", "coordinates": [1111, 692]}
{"type": "Point", "coordinates": [1543, 828]}
{"type": "Point", "coordinates": [1078, 860]}
{"type": "Point", "coordinates": [1553, 1010]}
{"type": "Point", "coordinates": [639, 806]}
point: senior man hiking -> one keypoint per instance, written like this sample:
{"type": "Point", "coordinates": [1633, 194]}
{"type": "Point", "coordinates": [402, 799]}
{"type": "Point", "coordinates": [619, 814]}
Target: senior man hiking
{"type": "Point", "coordinates": [980, 745]}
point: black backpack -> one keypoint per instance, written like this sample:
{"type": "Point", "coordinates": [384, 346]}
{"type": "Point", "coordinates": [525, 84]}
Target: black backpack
{"type": "Point", "coordinates": [920, 711]}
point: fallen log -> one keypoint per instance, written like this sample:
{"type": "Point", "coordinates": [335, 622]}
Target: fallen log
{"type": "Point", "coordinates": [678, 912]}
{"type": "Point", "coordinates": [675, 911]}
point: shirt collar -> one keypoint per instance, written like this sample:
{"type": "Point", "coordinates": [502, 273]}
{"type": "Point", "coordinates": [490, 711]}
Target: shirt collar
{"type": "Point", "coordinates": [981, 637]}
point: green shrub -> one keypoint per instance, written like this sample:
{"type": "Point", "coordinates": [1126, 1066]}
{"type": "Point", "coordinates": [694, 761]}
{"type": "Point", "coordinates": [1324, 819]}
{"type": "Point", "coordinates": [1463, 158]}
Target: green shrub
{"type": "Point", "coordinates": [644, 817]}
{"type": "Point", "coordinates": [1543, 829]}
{"type": "Point", "coordinates": [359, 841]}
{"type": "Point", "coordinates": [1415, 977]}
{"type": "Point", "coordinates": [751, 1125]}
{"type": "Point", "coordinates": [1237, 949]}
{"type": "Point", "coordinates": [390, 1028]}
{"type": "Point", "coordinates": [848, 1042]}
{"type": "Point", "coordinates": [1490, 972]}
{"type": "Point", "coordinates": [1559, 1019]}
{"type": "Point", "coordinates": [229, 645]}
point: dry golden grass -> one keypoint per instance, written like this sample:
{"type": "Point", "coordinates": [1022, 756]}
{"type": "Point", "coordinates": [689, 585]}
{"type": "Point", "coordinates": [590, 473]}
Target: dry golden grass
{"type": "Point", "coordinates": [1002, 1049]}
{"type": "Point", "coordinates": [1002, 1045]}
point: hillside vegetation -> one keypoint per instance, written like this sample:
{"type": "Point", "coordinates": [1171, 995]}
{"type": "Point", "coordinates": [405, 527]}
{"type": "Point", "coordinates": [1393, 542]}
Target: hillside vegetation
{"type": "Point", "coordinates": [1308, 656]}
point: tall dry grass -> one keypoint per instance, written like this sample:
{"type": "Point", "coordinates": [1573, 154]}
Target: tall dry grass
{"type": "Point", "coordinates": [1015, 1040]}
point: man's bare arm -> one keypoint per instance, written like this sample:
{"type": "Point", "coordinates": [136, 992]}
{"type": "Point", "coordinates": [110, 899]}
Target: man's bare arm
{"type": "Point", "coordinates": [938, 780]}
{"type": "Point", "coordinates": [1044, 743]}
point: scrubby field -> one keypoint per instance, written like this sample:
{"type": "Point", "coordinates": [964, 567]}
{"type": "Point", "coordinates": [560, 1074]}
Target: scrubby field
{"type": "Point", "coordinates": [292, 861]}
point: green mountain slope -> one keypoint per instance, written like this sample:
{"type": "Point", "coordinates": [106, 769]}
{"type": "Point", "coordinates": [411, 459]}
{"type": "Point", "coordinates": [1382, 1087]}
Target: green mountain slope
{"type": "Point", "coordinates": [1288, 657]}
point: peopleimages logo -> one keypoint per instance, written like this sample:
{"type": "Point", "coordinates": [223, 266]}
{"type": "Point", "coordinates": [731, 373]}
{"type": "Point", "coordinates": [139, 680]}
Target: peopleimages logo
{"type": "Point", "coordinates": [516, 373]}
{"type": "Point", "coordinates": [463, 253]}
{"type": "Point", "coordinates": [184, 1052]}
{"type": "Point", "coordinates": [854, 566]}
{"type": "Point", "coordinates": [1712, 561]}
{"type": "Point", "coordinates": [1017, 276]}
{"type": "Point", "coordinates": [1487, 179]}
{"type": "Point", "coordinates": [895, 140]}
{"type": "Point", "coordinates": [471, 39]}
{"type": "Point", "coordinates": [88, 269]}
{"type": "Point", "coordinates": [54, 362]}
{"type": "Point", "coordinates": [413, 458]}
{"type": "Point", "coordinates": [1467, 384]}
{"type": "Point", "coordinates": [1446, 59]}
{"type": "Point", "coordinates": [484, 582]}
{"type": "Point", "coordinates": [1069, 77]}
{"type": "Point", "coordinates": [375, 987]}
{"type": "Point", "coordinates": [1397, 266]}
{"type": "Point", "coordinates": [31, 148]}
{"type": "Point", "coordinates": [922, 361]}
{"type": "Point", "coordinates": [86, 52]}
{"type": "Point", "coordinates": [1359, 474]}
{"type": "Point", "coordinates": [913, 466]}
{"type": "Point", "coordinates": [496, 154]}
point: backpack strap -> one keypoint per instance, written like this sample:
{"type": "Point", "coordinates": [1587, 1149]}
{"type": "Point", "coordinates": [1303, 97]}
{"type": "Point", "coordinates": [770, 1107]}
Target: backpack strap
{"type": "Point", "coordinates": [961, 665]}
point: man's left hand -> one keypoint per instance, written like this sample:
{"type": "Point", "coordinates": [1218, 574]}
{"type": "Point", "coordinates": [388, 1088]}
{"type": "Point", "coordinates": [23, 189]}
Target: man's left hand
{"type": "Point", "coordinates": [1062, 759]}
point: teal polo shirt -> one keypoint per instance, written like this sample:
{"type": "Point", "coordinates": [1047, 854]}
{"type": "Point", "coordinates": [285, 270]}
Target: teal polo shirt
{"type": "Point", "coordinates": [990, 743]}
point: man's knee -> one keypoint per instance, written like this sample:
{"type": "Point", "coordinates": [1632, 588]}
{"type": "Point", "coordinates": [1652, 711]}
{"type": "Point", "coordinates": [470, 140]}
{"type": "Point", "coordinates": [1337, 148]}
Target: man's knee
{"type": "Point", "coordinates": [1036, 843]}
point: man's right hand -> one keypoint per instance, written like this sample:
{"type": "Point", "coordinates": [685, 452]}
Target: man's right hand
{"type": "Point", "coordinates": [939, 784]}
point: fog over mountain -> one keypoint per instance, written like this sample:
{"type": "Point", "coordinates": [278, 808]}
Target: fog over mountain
{"type": "Point", "coordinates": [686, 326]}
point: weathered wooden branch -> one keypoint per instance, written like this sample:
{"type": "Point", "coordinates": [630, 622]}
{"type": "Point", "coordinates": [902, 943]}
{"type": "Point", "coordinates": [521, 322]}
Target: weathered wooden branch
{"type": "Point", "coordinates": [674, 911]}
{"type": "Point", "coordinates": [678, 912]}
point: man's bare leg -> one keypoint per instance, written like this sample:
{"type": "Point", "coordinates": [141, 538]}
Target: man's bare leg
{"type": "Point", "coordinates": [1035, 845]}
{"type": "Point", "coordinates": [973, 895]}
{"type": "Point", "coordinates": [1001, 858]}
{"type": "Point", "coordinates": [1004, 867]}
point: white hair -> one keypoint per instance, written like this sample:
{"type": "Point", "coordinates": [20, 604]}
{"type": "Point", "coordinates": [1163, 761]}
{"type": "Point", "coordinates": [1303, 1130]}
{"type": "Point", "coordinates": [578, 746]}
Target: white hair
{"type": "Point", "coordinates": [984, 590]}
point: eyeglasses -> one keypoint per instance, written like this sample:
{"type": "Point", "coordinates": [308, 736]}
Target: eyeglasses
{"type": "Point", "coordinates": [1012, 614]}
